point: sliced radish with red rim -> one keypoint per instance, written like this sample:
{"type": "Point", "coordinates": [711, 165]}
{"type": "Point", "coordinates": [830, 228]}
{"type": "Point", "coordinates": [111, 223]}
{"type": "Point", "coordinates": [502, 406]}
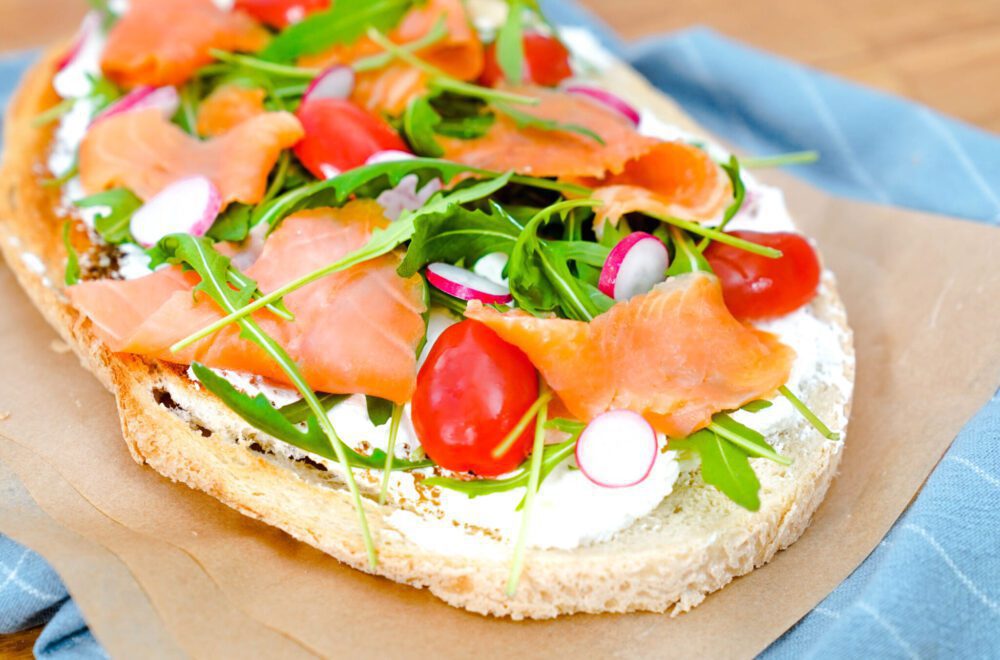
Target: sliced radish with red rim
{"type": "Point", "coordinates": [607, 99]}
{"type": "Point", "coordinates": [617, 449]}
{"type": "Point", "coordinates": [466, 285]}
{"type": "Point", "coordinates": [188, 206]}
{"type": "Point", "coordinates": [637, 264]}
{"type": "Point", "coordinates": [165, 99]}
{"type": "Point", "coordinates": [337, 82]}
{"type": "Point", "coordinates": [89, 29]}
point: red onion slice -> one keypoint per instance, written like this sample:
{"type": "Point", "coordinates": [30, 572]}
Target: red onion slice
{"type": "Point", "coordinates": [188, 206]}
{"type": "Point", "coordinates": [608, 99]}
{"type": "Point", "coordinates": [337, 82]}
{"type": "Point", "coordinates": [637, 264]}
{"type": "Point", "coordinates": [140, 98]}
{"type": "Point", "coordinates": [466, 285]}
{"type": "Point", "coordinates": [617, 449]}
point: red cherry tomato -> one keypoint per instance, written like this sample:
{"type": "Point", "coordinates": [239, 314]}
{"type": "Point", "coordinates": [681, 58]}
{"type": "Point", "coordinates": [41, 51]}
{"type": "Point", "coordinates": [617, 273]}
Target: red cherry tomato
{"type": "Point", "coordinates": [546, 62]}
{"type": "Point", "coordinates": [756, 287]}
{"type": "Point", "coordinates": [341, 136]}
{"type": "Point", "coordinates": [472, 390]}
{"type": "Point", "coordinates": [281, 13]}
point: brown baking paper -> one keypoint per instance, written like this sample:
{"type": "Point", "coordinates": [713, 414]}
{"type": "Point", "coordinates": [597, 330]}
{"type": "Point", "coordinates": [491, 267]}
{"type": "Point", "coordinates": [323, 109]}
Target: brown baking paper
{"type": "Point", "coordinates": [161, 570]}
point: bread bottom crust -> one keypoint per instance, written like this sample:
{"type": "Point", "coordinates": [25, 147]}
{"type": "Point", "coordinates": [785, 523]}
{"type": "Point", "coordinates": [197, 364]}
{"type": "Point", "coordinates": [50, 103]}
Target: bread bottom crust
{"type": "Point", "coordinates": [694, 543]}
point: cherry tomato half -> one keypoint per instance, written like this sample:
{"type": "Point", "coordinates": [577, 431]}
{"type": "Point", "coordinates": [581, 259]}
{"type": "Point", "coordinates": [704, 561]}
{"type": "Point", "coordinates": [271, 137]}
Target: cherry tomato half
{"type": "Point", "coordinates": [341, 136]}
{"type": "Point", "coordinates": [281, 13]}
{"type": "Point", "coordinates": [757, 287]}
{"type": "Point", "coordinates": [546, 62]}
{"type": "Point", "coordinates": [472, 390]}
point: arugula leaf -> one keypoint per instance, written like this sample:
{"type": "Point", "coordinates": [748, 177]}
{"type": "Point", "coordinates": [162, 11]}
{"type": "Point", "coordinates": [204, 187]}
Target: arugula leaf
{"type": "Point", "coordinates": [420, 122]}
{"type": "Point", "coordinates": [527, 120]}
{"type": "Point", "coordinates": [732, 170]}
{"type": "Point", "coordinates": [459, 235]}
{"type": "Point", "coordinates": [510, 44]}
{"type": "Point", "coordinates": [233, 224]}
{"type": "Point", "coordinates": [198, 254]}
{"type": "Point", "coordinates": [552, 456]}
{"type": "Point", "coordinates": [807, 414]}
{"type": "Point", "coordinates": [379, 410]}
{"type": "Point", "coordinates": [726, 467]}
{"type": "Point", "coordinates": [541, 281]}
{"type": "Point", "coordinates": [58, 111]}
{"type": "Point", "coordinates": [461, 116]}
{"type": "Point", "coordinates": [114, 225]}
{"type": "Point", "coordinates": [747, 439]}
{"type": "Point", "coordinates": [299, 411]}
{"type": "Point", "coordinates": [343, 23]}
{"type": "Point", "coordinates": [262, 415]}
{"type": "Point", "coordinates": [72, 259]}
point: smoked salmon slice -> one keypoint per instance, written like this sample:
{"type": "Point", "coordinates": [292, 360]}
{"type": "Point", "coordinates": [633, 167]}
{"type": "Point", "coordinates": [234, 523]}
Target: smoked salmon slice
{"type": "Point", "coordinates": [675, 355]}
{"type": "Point", "coordinates": [163, 42]}
{"type": "Point", "coordinates": [354, 332]}
{"type": "Point", "coordinates": [459, 54]}
{"type": "Point", "coordinates": [142, 151]}
{"type": "Point", "coordinates": [227, 107]}
{"type": "Point", "coordinates": [672, 178]}
{"type": "Point", "coordinates": [563, 154]}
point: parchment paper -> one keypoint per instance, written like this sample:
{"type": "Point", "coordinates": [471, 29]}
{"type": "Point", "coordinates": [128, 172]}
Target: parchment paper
{"type": "Point", "coordinates": [160, 570]}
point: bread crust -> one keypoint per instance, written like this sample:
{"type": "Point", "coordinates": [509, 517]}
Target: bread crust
{"type": "Point", "coordinates": [694, 543]}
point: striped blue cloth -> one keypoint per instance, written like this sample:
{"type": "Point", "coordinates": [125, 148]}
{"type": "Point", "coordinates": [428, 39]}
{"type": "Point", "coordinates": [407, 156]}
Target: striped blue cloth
{"type": "Point", "coordinates": [932, 587]}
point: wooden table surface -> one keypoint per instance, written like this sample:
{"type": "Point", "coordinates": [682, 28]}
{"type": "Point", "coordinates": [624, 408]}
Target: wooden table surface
{"type": "Point", "coordinates": [944, 53]}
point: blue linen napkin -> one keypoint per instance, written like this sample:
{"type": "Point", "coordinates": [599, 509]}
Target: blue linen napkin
{"type": "Point", "coordinates": [932, 588]}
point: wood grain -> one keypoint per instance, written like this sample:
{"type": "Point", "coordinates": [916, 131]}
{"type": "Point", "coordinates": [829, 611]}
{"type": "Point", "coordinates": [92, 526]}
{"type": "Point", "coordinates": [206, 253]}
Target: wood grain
{"type": "Point", "coordinates": [944, 53]}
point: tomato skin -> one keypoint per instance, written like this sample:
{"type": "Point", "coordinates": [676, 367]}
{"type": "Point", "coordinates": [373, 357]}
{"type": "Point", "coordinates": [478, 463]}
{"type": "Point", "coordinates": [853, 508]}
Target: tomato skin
{"type": "Point", "coordinates": [281, 13]}
{"type": "Point", "coordinates": [340, 135]}
{"type": "Point", "coordinates": [757, 287]}
{"type": "Point", "coordinates": [471, 391]}
{"type": "Point", "coordinates": [546, 62]}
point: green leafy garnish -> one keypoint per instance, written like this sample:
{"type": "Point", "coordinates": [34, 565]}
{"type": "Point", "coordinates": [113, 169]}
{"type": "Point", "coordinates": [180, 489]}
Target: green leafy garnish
{"type": "Point", "coordinates": [534, 481]}
{"type": "Point", "coordinates": [809, 415]}
{"type": "Point", "coordinates": [725, 466]}
{"type": "Point", "coordinates": [233, 224]}
{"type": "Point", "coordinates": [344, 23]}
{"type": "Point", "coordinates": [390, 453]}
{"type": "Point", "coordinates": [510, 44]}
{"type": "Point", "coordinates": [420, 122]}
{"type": "Point", "coordinates": [781, 160]}
{"type": "Point", "coordinates": [379, 410]}
{"type": "Point", "coordinates": [732, 170]}
{"type": "Point", "coordinates": [541, 281]}
{"type": "Point", "coordinates": [527, 120]}
{"type": "Point", "coordinates": [198, 254]}
{"type": "Point", "coordinates": [114, 225]}
{"type": "Point", "coordinates": [263, 416]}
{"type": "Point", "coordinates": [72, 259]}
{"type": "Point", "coordinates": [459, 235]}
{"type": "Point", "coordinates": [299, 411]}
{"type": "Point", "coordinates": [512, 436]}
{"type": "Point", "coordinates": [58, 111]}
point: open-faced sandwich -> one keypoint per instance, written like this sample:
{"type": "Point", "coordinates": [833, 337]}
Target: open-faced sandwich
{"type": "Point", "coordinates": [576, 358]}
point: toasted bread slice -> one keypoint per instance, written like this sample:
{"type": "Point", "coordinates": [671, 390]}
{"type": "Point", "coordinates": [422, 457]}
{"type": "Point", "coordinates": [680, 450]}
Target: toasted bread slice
{"type": "Point", "coordinates": [695, 542]}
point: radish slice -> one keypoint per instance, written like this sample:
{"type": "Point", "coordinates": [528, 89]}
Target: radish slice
{"type": "Point", "coordinates": [637, 264]}
{"type": "Point", "coordinates": [337, 82]}
{"type": "Point", "coordinates": [405, 196]}
{"type": "Point", "coordinates": [90, 28]}
{"type": "Point", "coordinates": [140, 98]}
{"type": "Point", "coordinates": [466, 285]}
{"type": "Point", "coordinates": [81, 60]}
{"type": "Point", "coordinates": [188, 206]}
{"type": "Point", "coordinates": [617, 449]}
{"type": "Point", "coordinates": [607, 98]}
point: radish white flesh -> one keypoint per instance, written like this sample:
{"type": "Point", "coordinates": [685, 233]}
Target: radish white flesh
{"type": "Point", "coordinates": [88, 29]}
{"type": "Point", "coordinates": [405, 196]}
{"type": "Point", "coordinates": [337, 82]}
{"type": "Point", "coordinates": [608, 99]}
{"type": "Point", "coordinates": [82, 60]}
{"type": "Point", "coordinates": [617, 449]}
{"type": "Point", "coordinates": [188, 206]}
{"type": "Point", "coordinates": [165, 99]}
{"type": "Point", "coordinates": [466, 285]}
{"type": "Point", "coordinates": [388, 156]}
{"type": "Point", "coordinates": [637, 264]}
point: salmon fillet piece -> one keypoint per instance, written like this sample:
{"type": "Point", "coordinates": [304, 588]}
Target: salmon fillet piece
{"type": "Point", "coordinates": [354, 332]}
{"type": "Point", "coordinates": [675, 355]}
